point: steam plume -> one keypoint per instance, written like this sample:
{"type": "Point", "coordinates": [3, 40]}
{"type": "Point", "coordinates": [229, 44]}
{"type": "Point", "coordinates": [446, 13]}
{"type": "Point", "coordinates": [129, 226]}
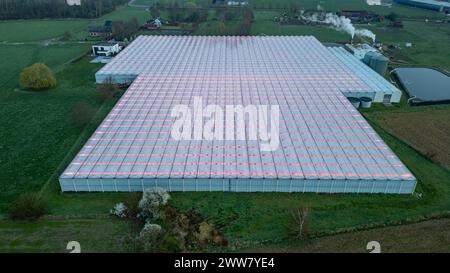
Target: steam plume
{"type": "Point", "coordinates": [341, 23]}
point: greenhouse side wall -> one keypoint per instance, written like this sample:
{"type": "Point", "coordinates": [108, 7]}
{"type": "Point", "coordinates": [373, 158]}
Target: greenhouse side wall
{"type": "Point", "coordinates": [239, 185]}
{"type": "Point", "coordinates": [115, 78]}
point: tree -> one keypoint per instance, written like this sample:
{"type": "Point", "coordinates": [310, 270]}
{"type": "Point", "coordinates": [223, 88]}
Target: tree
{"type": "Point", "coordinates": [246, 24]}
{"type": "Point", "coordinates": [155, 11]}
{"type": "Point", "coordinates": [300, 228]}
{"type": "Point", "coordinates": [392, 17]}
{"type": "Point", "coordinates": [294, 7]}
{"type": "Point", "coordinates": [222, 27]}
{"type": "Point", "coordinates": [107, 89]}
{"type": "Point", "coordinates": [175, 13]}
{"type": "Point", "coordinates": [66, 36]}
{"type": "Point", "coordinates": [28, 9]}
{"type": "Point", "coordinates": [122, 30]}
{"type": "Point", "coordinates": [37, 77]}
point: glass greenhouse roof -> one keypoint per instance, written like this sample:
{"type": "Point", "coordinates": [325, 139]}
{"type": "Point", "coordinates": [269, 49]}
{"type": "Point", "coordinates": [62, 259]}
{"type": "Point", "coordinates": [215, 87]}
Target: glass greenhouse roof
{"type": "Point", "coordinates": [321, 135]}
{"type": "Point", "coordinates": [375, 81]}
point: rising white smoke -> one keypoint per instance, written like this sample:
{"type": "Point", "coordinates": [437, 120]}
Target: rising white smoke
{"type": "Point", "coordinates": [341, 23]}
{"type": "Point", "coordinates": [365, 33]}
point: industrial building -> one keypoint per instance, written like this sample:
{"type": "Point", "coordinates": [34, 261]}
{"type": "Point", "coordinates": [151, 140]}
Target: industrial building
{"type": "Point", "coordinates": [436, 5]}
{"type": "Point", "coordinates": [325, 145]}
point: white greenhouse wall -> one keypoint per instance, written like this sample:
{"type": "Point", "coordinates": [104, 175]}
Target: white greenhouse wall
{"type": "Point", "coordinates": [240, 185]}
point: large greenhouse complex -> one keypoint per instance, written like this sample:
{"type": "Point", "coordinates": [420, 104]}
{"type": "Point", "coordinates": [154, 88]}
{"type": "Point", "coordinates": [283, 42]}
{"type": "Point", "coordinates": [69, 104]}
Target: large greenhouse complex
{"type": "Point", "coordinates": [323, 142]}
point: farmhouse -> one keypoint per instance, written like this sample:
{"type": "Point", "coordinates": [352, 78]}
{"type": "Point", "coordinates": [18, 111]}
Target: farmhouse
{"type": "Point", "coordinates": [106, 49]}
{"type": "Point", "coordinates": [325, 145]}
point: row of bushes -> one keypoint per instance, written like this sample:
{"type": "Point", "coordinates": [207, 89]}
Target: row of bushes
{"type": "Point", "coordinates": [164, 228]}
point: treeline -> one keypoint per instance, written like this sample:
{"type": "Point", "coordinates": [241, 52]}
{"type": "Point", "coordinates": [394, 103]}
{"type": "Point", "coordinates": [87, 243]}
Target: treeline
{"type": "Point", "coordinates": [36, 9]}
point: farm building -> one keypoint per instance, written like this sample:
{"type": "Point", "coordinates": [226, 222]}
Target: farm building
{"type": "Point", "coordinates": [324, 144]}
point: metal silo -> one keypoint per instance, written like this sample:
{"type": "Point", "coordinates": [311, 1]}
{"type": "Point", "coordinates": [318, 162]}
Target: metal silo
{"type": "Point", "coordinates": [379, 63]}
{"type": "Point", "coordinates": [368, 57]}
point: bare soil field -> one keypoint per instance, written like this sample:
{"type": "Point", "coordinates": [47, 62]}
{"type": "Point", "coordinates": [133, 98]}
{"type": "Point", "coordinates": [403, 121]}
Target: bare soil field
{"type": "Point", "coordinates": [426, 131]}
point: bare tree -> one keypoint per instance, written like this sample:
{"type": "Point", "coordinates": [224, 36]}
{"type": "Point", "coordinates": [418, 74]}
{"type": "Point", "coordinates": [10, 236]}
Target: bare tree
{"type": "Point", "coordinates": [301, 222]}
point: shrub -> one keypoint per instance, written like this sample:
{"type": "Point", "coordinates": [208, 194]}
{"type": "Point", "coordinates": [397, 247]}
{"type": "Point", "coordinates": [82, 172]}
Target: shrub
{"type": "Point", "coordinates": [132, 204]}
{"type": "Point", "coordinates": [192, 230]}
{"type": "Point", "coordinates": [152, 202]}
{"type": "Point", "coordinates": [120, 210]}
{"type": "Point", "coordinates": [108, 89]}
{"type": "Point", "coordinates": [27, 206]}
{"type": "Point", "coordinates": [149, 239]}
{"type": "Point", "coordinates": [151, 230]}
{"type": "Point", "coordinates": [37, 77]}
{"type": "Point", "coordinates": [129, 208]}
{"type": "Point", "coordinates": [153, 238]}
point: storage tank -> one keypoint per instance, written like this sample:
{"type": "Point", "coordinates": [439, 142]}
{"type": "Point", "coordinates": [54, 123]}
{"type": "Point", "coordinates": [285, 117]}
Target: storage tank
{"type": "Point", "coordinates": [368, 56]}
{"type": "Point", "coordinates": [366, 102]}
{"type": "Point", "coordinates": [354, 101]}
{"type": "Point", "coordinates": [379, 63]}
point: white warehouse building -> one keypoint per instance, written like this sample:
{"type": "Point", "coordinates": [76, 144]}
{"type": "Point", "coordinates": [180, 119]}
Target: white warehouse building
{"type": "Point", "coordinates": [324, 143]}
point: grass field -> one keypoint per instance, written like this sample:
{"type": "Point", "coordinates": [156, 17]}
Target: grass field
{"type": "Point", "coordinates": [41, 140]}
{"type": "Point", "coordinates": [431, 42]}
{"type": "Point", "coordinates": [328, 5]}
{"type": "Point", "coordinates": [39, 127]}
{"type": "Point", "coordinates": [37, 30]}
{"type": "Point", "coordinates": [49, 235]}
{"type": "Point", "coordinates": [53, 235]}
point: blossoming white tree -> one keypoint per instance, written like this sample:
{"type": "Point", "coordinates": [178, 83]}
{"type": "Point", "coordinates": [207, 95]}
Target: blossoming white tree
{"type": "Point", "coordinates": [152, 201]}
